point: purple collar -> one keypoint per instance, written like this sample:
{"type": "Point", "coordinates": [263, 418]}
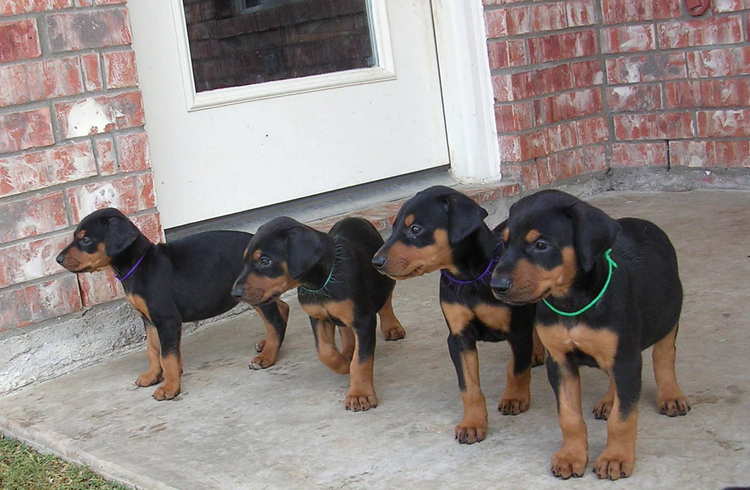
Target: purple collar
{"type": "Point", "coordinates": [447, 275]}
{"type": "Point", "coordinates": [132, 269]}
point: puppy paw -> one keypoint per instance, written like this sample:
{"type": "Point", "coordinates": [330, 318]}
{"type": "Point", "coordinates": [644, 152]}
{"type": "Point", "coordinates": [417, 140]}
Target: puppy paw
{"type": "Point", "coordinates": [674, 407]}
{"type": "Point", "coordinates": [166, 392]}
{"type": "Point", "coordinates": [469, 433]}
{"type": "Point", "coordinates": [360, 402]}
{"type": "Point", "coordinates": [568, 462]}
{"type": "Point", "coordinates": [602, 409]}
{"type": "Point", "coordinates": [261, 361]}
{"type": "Point", "coordinates": [614, 465]}
{"type": "Point", "coordinates": [396, 332]}
{"type": "Point", "coordinates": [148, 379]}
{"type": "Point", "coordinates": [513, 405]}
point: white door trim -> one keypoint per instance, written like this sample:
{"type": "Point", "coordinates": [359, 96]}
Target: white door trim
{"type": "Point", "coordinates": [468, 99]}
{"type": "Point", "coordinates": [384, 69]}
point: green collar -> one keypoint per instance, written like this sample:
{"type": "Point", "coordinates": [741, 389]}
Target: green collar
{"type": "Point", "coordinates": [612, 266]}
{"type": "Point", "coordinates": [321, 288]}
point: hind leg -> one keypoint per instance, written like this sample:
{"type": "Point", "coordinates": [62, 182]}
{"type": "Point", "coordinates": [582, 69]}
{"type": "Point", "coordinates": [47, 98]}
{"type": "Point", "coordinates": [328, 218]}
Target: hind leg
{"type": "Point", "coordinates": [389, 324]}
{"type": "Point", "coordinates": [537, 354]}
{"type": "Point", "coordinates": [671, 400]}
{"type": "Point", "coordinates": [603, 407]}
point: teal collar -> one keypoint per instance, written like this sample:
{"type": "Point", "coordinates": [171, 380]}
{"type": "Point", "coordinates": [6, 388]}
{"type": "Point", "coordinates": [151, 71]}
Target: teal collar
{"type": "Point", "coordinates": [612, 267]}
{"type": "Point", "coordinates": [321, 288]}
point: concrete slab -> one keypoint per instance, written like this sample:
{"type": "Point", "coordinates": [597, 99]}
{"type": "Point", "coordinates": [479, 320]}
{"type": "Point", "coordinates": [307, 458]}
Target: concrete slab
{"type": "Point", "coordinates": [285, 427]}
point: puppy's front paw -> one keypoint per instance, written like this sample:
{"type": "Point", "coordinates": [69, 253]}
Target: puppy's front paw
{"type": "Point", "coordinates": [261, 361]}
{"type": "Point", "coordinates": [357, 402]}
{"type": "Point", "coordinates": [470, 432]}
{"type": "Point", "coordinates": [513, 405]}
{"type": "Point", "coordinates": [602, 409]}
{"type": "Point", "coordinates": [166, 392]}
{"type": "Point", "coordinates": [148, 379]}
{"type": "Point", "coordinates": [396, 332]}
{"type": "Point", "coordinates": [569, 462]}
{"type": "Point", "coordinates": [614, 465]}
{"type": "Point", "coordinates": [674, 407]}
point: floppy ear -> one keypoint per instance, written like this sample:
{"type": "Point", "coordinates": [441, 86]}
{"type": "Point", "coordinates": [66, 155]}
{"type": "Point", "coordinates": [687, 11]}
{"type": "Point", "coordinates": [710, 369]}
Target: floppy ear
{"type": "Point", "coordinates": [121, 234]}
{"type": "Point", "coordinates": [594, 230]}
{"type": "Point", "coordinates": [304, 249]}
{"type": "Point", "coordinates": [464, 216]}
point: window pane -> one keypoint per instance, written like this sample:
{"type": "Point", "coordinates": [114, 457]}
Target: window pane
{"type": "Point", "coordinates": [243, 42]}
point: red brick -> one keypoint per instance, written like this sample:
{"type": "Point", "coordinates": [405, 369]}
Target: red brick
{"type": "Point", "coordinates": [92, 72]}
{"type": "Point", "coordinates": [566, 164]}
{"type": "Point", "coordinates": [19, 40]}
{"type": "Point", "coordinates": [37, 80]}
{"type": "Point", "coordinates": [724, 123]}
{"type": "Point", "coordinates": [119, 67]}
{"type": "Point", "coordinates": [646, 68]}
{"type": "Point", "coordinates": [99, 287]}
{"type": "Point", "coordinates": [561, 46]}
{"type": "Point", "coordinates": [634, 98]}
{"type": "Point", "coordinates": [562, 136]}
{"type": "Point", "coordinates": [100, 114]}
{"type": "Point", "coordinates": [498, 54]}
{"type": "Point", "coordinates": [719, 62]}
{"type": "Point", "coordinates": [622, 39]}
{"type": "Point", "coordinates": [84, 30]}
{"type": "Point", "coordinates": [620, 11]}
{"type": "Point", "coordinates": [22, 130]}
{"type": "Point", "coordinates": [507, 53]}
{"type": "Point", "coordinates": [708, 93]}
{"type": "Point", "coordinates": [31, 304]}
{"type": "Point", "coordinates": [31, 260]}
{"type": "Point", "coordinates": [567, 106]}
{"type": "Point", "coordinates": [32, 216]}
{"type": "Point", "coordinates": [653, 126]}
{"type": "Point", "coordinates": [514, 117]}
{"type": "Point", "coordinates": [535, 18]}
{"type": "Point", "coordinates": [15, 7]}
{"type": "Point", "coordinates": [701, 32]}
{"type": "Point", "coordinates": [731, 5]}
{"type": "Point", "coordinates": [129, 194]}
{"type": "Point", "coordinates": [710, 153]}
{"type": "Point", "coordinates": [133, 152]}
{"type": "Point", "coordinates": [510, 148]}
{"type": "Point", "coordinates": [592, 130]}
{"type": "Point", "coordinates": [538, 82]}
{"type": "Point", "coordinates": [105, 155]}
{"type": "Point", "coordinates": [587, 73]}
{"type": "Point", "coordinates": [534, 145]}
{"type": "Point", "coordinates": [495, 23]}
{"type": "Point", "coordinates": [502, 87]}
{"type": "Point", "coordinates": [639, 154]}
{"type": "Point", "coordinates": [580, 12]}
{"type": "Point", "coordinates": [40, 169]}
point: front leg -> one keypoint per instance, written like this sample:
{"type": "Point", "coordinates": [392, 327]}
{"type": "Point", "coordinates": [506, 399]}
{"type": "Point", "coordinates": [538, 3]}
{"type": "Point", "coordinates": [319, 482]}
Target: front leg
{"type": "Point", "coordinates": [463, 350]}
{"type": "Point", "coordinates": [572, 457]}
{"type": "Point", "coordinates": [170, 332]}
{"type": "Point", "coordinates": [517, 394]}
{"type": "Point", "coordinates": [274, 316]}
{"type": "Point", "coordinates": [361, 395]}
{"type": "Point", "coordinates": [153, 374]}
{"type": "Point", "coordinates": [618, 458]}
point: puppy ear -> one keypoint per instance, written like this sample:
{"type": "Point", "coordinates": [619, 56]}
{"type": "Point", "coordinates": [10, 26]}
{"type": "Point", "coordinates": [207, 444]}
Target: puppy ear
{"type": "Point", "coordinates": [464, 216]}
{"type": "Point", "coordinates": [121, 234]}
{"type": "Point", "coordinates": [595, 232]}
{"type": "Point", "coordinates": [304, 249]}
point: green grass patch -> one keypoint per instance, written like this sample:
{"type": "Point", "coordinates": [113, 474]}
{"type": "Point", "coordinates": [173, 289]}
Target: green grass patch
{"type": "Point", "coordinates": [24, 468]}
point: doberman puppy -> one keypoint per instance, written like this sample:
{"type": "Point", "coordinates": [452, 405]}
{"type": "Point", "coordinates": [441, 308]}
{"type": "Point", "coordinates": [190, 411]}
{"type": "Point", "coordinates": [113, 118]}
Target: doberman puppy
{"type": "Point", "coordinates": [440, 228]}
{"type": "Point", "coordinates": [336, 286]}
{"type": "Point", "coordinates": [609, 289]}
{"type": "Point", "coordinates": [183, 281]}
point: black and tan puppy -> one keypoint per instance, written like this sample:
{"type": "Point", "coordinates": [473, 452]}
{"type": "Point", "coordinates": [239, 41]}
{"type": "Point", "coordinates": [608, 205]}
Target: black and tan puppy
{"type": "Point", "coordinates": [608, 290]}
{"type": "Point", "coordinates": [183, 281]}
{"type": "Point", "coordinates": [441, 228]}
{"type": "Point", "coordinates": [336, 286]}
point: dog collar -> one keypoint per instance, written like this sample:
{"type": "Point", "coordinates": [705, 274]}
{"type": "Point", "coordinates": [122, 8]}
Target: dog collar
{"type": "Point", "coordinates": [612, 266]}
{"type": "Point", "coordinates": [132, 269]}
{"type": "Point", "coordinates": [321, 288]}
{"type": "Point", "coordinates": [487, 271]}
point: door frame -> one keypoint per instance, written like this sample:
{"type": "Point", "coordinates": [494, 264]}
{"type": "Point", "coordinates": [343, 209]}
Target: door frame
{"type": "Point", "coordinates": [466, 86]}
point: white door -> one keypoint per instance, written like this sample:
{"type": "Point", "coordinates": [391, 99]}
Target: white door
{"type": "Point", "coordinates": [239, 142]}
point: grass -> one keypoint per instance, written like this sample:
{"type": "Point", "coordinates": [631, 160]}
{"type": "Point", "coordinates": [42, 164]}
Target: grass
{"type": "Point", "coordinates": [24, 468]}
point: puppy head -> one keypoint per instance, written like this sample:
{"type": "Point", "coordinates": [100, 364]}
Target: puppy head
{"type": "Point", "coordinates": [99, 237]}
{"type": "Point", "coordinates": [550, 238]}
{"type": "Point", "coordinates": [426, 229]}
{"type": "Point", "coordinates": [279, 254]}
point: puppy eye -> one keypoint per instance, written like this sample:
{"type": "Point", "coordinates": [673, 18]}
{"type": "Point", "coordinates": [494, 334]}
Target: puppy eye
{"type": "Point", "coordinates": [415, 229]}
{"type": "Point", "coordinates": [264, 261]}
{"type": "Point", "coordinates": [541, 245]}
{"type": "Point", "coordinates": [85, 241]}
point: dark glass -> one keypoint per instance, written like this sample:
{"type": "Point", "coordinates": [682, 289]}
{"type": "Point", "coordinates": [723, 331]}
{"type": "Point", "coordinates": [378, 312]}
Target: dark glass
{"type": "Point", "coordinates": [242, 42]}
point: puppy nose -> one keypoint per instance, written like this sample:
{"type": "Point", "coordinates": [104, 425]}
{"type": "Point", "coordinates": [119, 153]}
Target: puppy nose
{"type": "Point", "coordinates": [379, 261]}
{"type": "Point", "coordinates": [501, 284]}
{"type": "Point", "coordinates": [60, 259]}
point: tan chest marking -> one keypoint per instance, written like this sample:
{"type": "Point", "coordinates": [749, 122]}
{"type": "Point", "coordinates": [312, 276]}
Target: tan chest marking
{"type": "Point", "coordinates": [495, 317]}
{"type": "Point", "coordinates": [601, 344]}
{"type": "Point", "coordinates": [457, 316]}
{"type": "Point", "coordinates": [139, 304]}
{"type": "Point", "coordinates": [341, 310]}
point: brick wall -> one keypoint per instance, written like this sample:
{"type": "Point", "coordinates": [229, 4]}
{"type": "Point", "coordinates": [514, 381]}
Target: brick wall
{"type": "Point", "coordinates": [71, 141]}
{"type": "Point", "coordinates": [586, 85]}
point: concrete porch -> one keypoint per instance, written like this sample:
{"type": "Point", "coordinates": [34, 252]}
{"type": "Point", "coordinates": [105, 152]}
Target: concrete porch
{"type": "Point", "coordinates": [285, 427]}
